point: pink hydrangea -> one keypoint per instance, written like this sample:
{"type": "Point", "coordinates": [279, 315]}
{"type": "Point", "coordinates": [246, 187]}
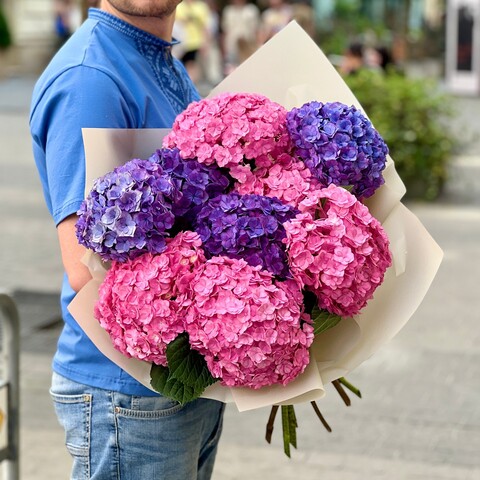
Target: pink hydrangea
{"type": "Point", "coordinates": [228, 128]}
{"type": "Point", "coordinates": [250, 329]}
{"type": "Point", "coordinates": [340, 253]}
{"type": "Point", "coordinates": [280, 176]}
{"type": "Point", "coordinates": [141, 301]}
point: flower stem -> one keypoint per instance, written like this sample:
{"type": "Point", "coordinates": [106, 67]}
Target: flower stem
{"type": "Point", "coordinates": [351, 387]}
{"type": "Point", "coordinates": [271, 421]}
{"type": "Point", "coordinates": [342, 392]}
{"type": "Point", "coordinates": [321, 417]}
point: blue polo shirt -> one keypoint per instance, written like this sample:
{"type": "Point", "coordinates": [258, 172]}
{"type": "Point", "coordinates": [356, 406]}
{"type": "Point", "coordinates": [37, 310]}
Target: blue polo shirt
{"type": "Point", "coordinates": [108, 75]}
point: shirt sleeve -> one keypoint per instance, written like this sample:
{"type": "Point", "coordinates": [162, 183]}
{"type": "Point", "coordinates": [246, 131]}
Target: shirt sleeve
{"type": "Point", "coordinates": [81, 97]}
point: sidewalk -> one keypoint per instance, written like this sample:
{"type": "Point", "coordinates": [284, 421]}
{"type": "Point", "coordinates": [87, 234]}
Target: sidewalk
{"type": "Point", "coordinates": [420, 415]}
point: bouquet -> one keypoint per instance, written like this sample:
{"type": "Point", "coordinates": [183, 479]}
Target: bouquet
{"type": "Point", "coordinates": [238, 241]}
{"type": "Point", "coordinates": [243, 254]}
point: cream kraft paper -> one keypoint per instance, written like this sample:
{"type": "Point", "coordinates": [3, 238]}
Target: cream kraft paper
{"type": "Point", "coordinates": [291, 70]}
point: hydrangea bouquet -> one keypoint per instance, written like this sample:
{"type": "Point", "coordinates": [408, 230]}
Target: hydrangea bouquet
{"type": "Point", "coordinates": [255, 249]}
{"type": "Point", "coordinates": [231, 248]}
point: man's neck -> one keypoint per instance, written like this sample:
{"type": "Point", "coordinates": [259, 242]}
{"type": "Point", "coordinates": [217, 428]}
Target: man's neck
{"type": "Point", "coordinates": [160, 27]}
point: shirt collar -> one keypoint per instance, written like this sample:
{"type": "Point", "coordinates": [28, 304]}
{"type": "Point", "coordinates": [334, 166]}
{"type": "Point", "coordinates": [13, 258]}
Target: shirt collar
{"type": "Point", "coordinates": [128, 29]}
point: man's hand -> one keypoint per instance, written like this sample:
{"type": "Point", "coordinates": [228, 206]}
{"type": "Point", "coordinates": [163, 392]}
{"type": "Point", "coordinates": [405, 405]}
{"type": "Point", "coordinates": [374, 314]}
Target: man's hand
{"type": "Point", "coordinates": [72, 253]}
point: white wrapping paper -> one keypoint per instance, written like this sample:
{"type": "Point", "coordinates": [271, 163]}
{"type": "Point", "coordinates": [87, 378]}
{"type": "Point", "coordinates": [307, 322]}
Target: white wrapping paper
{"type": "Point", "coordinates": [291, 70]}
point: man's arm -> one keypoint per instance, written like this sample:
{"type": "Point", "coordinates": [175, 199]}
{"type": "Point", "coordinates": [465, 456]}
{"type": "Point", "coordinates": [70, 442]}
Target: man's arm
{"type": "Point", "coordinates": [80, 97]}
{"type": "Point", "coordinates": [72, 253]}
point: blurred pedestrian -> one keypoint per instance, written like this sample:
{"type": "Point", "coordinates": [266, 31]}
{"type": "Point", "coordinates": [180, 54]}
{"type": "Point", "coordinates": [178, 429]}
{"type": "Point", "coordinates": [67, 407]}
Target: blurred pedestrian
{"type": "Point", "coordinates": [278, 14]}
{"type": "Point", "coordinates": [240, 22]}
{"type": "Point", "coordinates": [68, 18]}
{"type": "Point", "coordinates": [353, 59]}
{"type": "Point", "coordinates": [379, 58]}
{"type": "Point", "coordinates": [194, 17]}
{"type": "Point", "coordinates": [211, 57]}
{"type": "Point", "coordinates": [304, 14]}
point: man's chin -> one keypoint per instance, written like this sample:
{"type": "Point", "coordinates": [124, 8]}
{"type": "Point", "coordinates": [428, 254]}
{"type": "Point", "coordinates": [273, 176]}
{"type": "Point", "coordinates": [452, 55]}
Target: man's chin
{"type": "Point", "coordinates": [144, 8]}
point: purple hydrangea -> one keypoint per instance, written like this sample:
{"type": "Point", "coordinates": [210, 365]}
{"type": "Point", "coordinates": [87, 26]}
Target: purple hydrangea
{"type": "Point", "coordinates": [128, 211]}
{"type": "Point", "coordinates": [196, 182]}
{"type": "Point", "coordinates": [248, 227]}
{"type": "Point", "coordinates": [339, 145]}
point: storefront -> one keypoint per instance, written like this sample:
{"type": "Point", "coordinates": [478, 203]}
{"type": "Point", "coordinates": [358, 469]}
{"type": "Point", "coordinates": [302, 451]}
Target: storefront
{"type": "Point", "coordinates": [463, 47]}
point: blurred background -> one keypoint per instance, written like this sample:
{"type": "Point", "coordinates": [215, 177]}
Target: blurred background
{"type": "Point", "coordinates": [414, 65]}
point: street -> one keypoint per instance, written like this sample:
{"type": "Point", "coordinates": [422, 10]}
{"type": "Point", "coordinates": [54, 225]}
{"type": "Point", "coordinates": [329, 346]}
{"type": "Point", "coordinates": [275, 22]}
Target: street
{"type": "Point", "coordinates": [419, 417]}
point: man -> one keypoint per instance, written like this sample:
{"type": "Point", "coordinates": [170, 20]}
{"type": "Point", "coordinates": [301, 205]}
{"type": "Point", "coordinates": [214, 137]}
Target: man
{"type": "Point", "coordinates": [116, 71]}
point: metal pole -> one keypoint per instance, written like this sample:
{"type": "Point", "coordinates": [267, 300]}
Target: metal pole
{"type": "Point", "coordinates": [11, 356]}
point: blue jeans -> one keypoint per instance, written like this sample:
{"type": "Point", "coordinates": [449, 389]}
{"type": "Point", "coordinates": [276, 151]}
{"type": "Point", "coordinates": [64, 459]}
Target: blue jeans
{"type": "Point", "coordinates": [115, 436]}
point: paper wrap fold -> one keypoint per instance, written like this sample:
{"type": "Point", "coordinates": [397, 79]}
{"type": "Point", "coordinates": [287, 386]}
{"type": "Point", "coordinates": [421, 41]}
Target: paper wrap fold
{"type": "Point", "coordinates": [291, 70]}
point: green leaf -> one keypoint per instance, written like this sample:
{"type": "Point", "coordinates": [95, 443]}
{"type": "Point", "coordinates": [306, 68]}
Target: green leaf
{"type": "Point", "coordinates": [186, 365]}
{"type": "Point", "coordinates": [186, 376]}
{"type": "Point", "coordinates": [323, 320]}
{"type": "Point", "coordinates": [319, 212]}
{"type": "Point", "coordinates": [289, 426]}
{"type": "Point", "coordinates": [171, 387]}
{"type": "Point", "coordinates": [159, 377]}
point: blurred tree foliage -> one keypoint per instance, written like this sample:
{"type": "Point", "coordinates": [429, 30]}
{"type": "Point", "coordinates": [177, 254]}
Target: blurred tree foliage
{"type": "Point", "coordinates": [399, 25]}
{"type": "Point", "coordinates": [349, 23]}
{"type": "Point", "coordinates": [413, 118]}
{"type": "Point", "coordinates": [5, 37]}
